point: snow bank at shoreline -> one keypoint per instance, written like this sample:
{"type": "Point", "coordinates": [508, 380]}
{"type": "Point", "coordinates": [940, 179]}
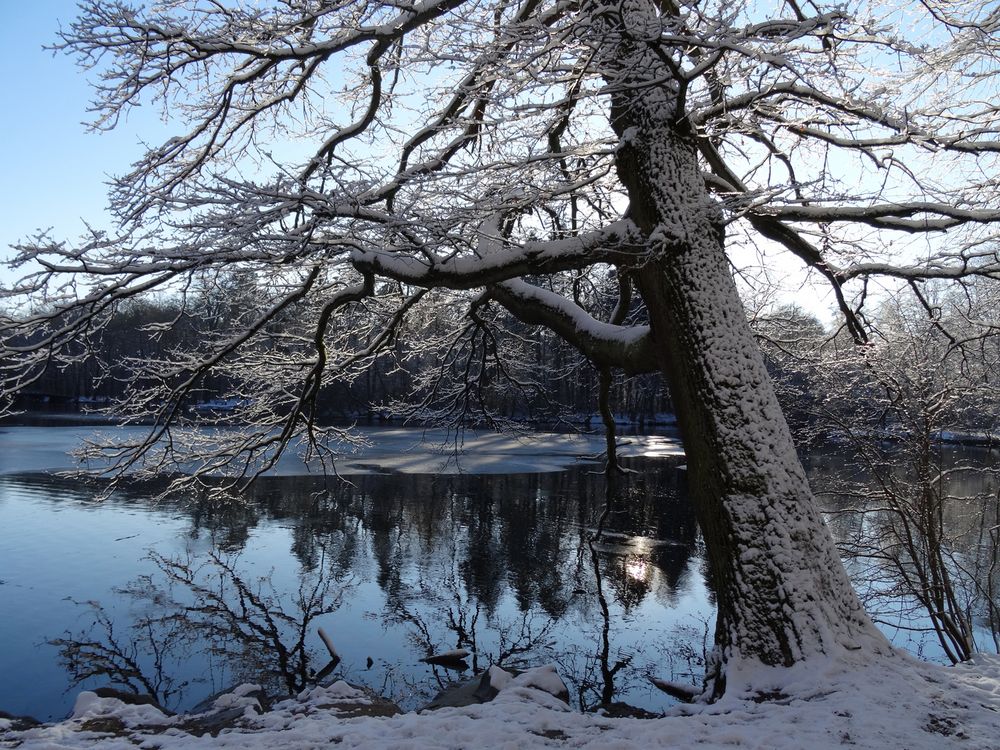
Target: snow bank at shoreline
{"type": "Point", "coordinates": [895, 703]}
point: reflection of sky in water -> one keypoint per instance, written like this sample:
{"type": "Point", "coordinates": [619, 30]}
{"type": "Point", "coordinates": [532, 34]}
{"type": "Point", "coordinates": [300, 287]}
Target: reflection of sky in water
{"type": "Point", "coordinates": [501, 558]}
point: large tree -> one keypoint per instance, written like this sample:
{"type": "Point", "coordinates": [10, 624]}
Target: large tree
{"type": "Point", "coordinates": [377, 167]}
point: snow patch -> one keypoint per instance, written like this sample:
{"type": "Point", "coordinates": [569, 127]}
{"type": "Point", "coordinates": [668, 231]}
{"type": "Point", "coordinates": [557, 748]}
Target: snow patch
{"type": "Point", "coordinates": [499, 678]}
{"type": "Point", "coordinates": [91, 706]}
{"type": "Point", "coordinates": [822, 704]}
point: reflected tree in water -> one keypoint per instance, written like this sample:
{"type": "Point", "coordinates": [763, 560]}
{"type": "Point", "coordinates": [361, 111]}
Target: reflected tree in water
{"type": "Point", "coordinates": [210, 608]}
{"type": "Point", "coordinates": [139, 661]}
{"type": "Point", "coordinates": [500, 566]}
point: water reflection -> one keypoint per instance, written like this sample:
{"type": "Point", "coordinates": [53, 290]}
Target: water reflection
{"type": "Point", "coordinates": [917, 524]}
{"type": "Point", "coordinates": [204, 611]}
{"type": "Point", "coordinates": [500, 565]}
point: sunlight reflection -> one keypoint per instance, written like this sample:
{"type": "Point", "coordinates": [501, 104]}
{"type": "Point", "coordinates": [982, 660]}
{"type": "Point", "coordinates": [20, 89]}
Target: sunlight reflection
{"type": "Point", "coordinates": [637, 568]}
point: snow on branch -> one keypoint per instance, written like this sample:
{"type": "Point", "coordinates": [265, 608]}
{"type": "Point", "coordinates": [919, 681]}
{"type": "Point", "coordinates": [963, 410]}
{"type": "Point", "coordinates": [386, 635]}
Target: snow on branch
{"type": "Point", "coordinates": [904, 126]}
{"type": "Point", "coordinates": [888, 215]}
{"type": "Point", "coordinates": [605, 344]}
{"type": "Point", "coordinates": [617, 241]}
{"type": "Point", "coordinates": [231, 68]}
{"type": "Point", "coordinates": [955, 266]}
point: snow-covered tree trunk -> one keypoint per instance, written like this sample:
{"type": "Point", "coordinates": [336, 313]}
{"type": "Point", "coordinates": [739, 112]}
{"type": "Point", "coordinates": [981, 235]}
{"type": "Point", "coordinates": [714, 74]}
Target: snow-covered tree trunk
{"type": "Point", "coordinates": [783, 594]}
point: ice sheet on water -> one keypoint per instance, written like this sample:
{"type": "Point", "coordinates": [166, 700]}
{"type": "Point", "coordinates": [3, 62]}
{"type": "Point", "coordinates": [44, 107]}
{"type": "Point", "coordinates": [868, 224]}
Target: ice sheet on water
{"type": "Point", "coordinates": [388, 449]}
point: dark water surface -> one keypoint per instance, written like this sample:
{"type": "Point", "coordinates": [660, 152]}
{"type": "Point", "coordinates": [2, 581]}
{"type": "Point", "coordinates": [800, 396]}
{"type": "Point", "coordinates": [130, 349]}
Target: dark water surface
{"type": "Point", "coordinates": [410, 564]}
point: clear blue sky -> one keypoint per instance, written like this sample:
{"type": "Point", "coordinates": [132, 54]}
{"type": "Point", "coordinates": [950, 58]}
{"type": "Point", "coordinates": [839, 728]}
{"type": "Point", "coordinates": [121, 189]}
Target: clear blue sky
{"type": "Point", "coordinates": [53, 170]}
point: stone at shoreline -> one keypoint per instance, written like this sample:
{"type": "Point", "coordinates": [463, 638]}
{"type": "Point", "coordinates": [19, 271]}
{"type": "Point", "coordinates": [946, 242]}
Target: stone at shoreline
{"type": "Point", "coordinates": [486, 686]}
{"type": "Point", "coordinates": [619, 710]}
{"type": "Point", "coordinates": [225, 710]}
{"type": "Point", "coordinates": [19, 723]}
{"type": "Point", "coordinates": [214, 722]}
{"type": "Point", "coordinates": [108, 711]}
{"type": "Point", "coordinates": [132, 699]}
{"type": "Point", "coordinates": [467, 693]}
{"type": "Point", "coordinates": [346, 701]}
{"type": "Point", "coordinates": [544, 678]}
{"type": "Point", "coordinates": [254, 692]}
{"type": "Point", "coordinates": [377, 706]}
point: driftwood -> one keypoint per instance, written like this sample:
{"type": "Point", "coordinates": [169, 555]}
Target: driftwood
{"type": "Point", "coordinates": [334, 656]}
{"type": "Point", "coordinates": [449, 659]}
{"type": "Point", "coordinates": [681, 691]}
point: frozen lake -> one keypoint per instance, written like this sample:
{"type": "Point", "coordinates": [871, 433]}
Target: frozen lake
{"type": "Point", "coordinates": [382, 449]}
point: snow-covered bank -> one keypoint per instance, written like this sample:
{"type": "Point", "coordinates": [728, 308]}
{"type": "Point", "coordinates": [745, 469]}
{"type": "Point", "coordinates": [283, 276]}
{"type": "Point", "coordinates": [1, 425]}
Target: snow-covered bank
{"type": "Point", "coordinates": [896, 703]}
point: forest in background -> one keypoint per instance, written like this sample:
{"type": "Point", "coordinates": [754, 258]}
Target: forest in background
{"type": "Point", "coordinates": [520, 373]}
{"type": "Point", "coordinates": [930, 366]}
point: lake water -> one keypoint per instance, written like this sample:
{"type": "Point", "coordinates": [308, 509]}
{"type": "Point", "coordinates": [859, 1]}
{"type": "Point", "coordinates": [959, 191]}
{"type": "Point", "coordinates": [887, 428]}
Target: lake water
{"type": "Point", "coordinates": [418, 550]}
{"type": "Point", "coordinates": [408, 564]}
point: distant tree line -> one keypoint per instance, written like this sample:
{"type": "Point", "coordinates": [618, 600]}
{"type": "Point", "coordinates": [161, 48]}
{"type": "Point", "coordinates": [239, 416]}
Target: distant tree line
{"type": "Point", "coordinates": [520, 373]}
{"type": "Point", "coordinates": [932, 366]}
{"type": "Point", "coordinates": [941, 350]}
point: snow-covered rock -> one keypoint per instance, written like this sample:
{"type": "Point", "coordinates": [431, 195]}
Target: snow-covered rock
{"type": "Point", "coordinates": [90, 705]}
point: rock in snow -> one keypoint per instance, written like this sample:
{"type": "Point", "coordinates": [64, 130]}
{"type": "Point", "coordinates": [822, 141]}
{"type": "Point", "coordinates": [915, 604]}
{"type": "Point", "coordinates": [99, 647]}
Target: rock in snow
{"type": "Point", "coordinates": [494, 680]}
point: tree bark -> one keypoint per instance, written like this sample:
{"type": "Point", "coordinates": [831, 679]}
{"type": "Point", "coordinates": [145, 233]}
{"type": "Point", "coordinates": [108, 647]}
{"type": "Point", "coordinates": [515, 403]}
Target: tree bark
{"type": "Point", "coordinates": [782, 592]}
{"type": "Point", "coordinates": [783, 595]}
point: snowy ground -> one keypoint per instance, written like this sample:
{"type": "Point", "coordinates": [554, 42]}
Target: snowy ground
{"type": "Point", "coordinates": [894, 704]}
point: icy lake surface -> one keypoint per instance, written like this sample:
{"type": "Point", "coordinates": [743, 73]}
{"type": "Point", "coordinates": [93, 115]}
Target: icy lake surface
{"type": "Point", "coordinates": [425, 549]}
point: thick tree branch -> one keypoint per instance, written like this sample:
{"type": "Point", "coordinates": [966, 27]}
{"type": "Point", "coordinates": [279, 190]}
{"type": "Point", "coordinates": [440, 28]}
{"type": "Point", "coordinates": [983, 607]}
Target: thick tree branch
{"type": "Point", "coordinates": [618, 242]}
{"type": "Point", "coordinates": [629, 348]}
{"type": "Point", "coordinates": [886, 215]}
